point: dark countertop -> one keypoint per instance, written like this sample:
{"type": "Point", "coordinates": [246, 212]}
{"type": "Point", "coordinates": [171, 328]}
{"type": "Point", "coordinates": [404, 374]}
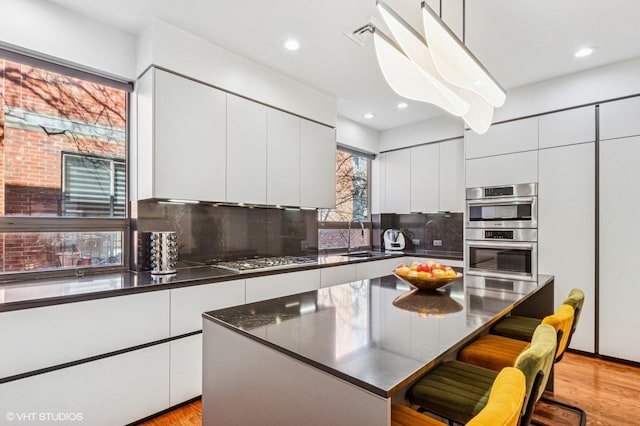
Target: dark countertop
{"type": "Point", "coordinates": [377, 334]}
{"type": "Point", "coordinates": [24, 294]}
{"type": "Point", "coordinates": [451, 255]}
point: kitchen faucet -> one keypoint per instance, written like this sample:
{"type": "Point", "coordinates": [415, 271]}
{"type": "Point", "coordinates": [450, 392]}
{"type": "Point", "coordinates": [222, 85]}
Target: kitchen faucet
{"type": "Point", "coordinates": [349, 234]}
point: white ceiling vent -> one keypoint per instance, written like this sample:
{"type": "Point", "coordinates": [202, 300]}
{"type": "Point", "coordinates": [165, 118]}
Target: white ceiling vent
{"type": "Point", "coordinates": [362, 34]}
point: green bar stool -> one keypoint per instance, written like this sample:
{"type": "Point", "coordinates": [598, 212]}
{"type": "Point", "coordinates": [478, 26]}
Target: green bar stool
{"type": "Point", "coordinates": [459, 391]}
{"type": "Point", "coordinates": [503, 408]}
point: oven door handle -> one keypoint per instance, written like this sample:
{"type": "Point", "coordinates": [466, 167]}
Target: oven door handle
{"type": "Point", "coordinates": [500, 244]}
{"type": "Point", "coordinates": [501, 201]}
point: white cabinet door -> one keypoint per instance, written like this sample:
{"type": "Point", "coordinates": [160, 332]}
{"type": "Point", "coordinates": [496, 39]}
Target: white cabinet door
{"type": "Point", "coordinates": [566, 229]}
{"type": "Point", "coordinates": [378, 185]}
{"type": "Point", "coordinates": [246, 151]}
{"type": "Point", "coordinates": [619, 235]}
{"type": "Point", "coordinates": [188, 303]}
{"type": "Point", "coordinates": [271, 286]}
{"type": "Point", "coordinates": [189, 139]}
{"type": "Point", "coordinates": [504, 138]}
{"type": "Point", "coordinates": [317, 165]}
{"type": "Point", "coordinates": [112, 391]}
{"type": "Point", "coordinates": [53, 335]}
{"type": "Point", "coordinates": [424, 166]}
{"type": "Point", "coordinates": [452, 186]}
{"type": "Point", "coordinates": [337, 275]}
{"type": "Point", "coordinates": [186, 369]}
{"type": "Point", "coordinates": [620, 119]}
{"type": "Point", "coordinates": [568, 127]}
{"type": "Point", "coordinates": [283, 158]}
{"type": "Point", "coordinates": [398, 181]}
{"type": "Point", "coordinates": [377, 268]}
{"type": "Point", "coordinates": [503, 169]}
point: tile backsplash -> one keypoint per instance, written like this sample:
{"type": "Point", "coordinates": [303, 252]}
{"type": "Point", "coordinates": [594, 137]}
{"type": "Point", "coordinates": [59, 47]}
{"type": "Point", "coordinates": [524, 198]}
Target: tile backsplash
{"type": "Point", "coordinates": [435, 231]}
{"type": "Point", "coordinates": [207, 232]}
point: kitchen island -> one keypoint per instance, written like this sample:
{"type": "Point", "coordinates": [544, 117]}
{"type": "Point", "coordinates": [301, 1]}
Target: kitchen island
{"type": "Point", "coordinates": [340, 355]}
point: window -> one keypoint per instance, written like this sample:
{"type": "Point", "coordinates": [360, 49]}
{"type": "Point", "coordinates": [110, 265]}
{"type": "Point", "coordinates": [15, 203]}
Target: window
{"type": "Point", "coordinates": [62, 168]}
{"type": "Point", "coordinates": [352, 203]}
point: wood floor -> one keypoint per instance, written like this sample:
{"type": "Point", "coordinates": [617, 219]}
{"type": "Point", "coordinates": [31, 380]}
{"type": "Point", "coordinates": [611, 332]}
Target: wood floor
{"type": "Point", "coordinates": [609, 393]}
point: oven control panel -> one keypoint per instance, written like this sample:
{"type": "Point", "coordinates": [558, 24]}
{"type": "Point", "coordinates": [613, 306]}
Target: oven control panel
{"type": "Point", "coordinates": [498, 235]}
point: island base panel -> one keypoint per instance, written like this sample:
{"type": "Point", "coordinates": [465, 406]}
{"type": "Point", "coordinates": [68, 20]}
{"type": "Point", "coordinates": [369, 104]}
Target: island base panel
{"type": "Point", "coordinates": [246, 382]}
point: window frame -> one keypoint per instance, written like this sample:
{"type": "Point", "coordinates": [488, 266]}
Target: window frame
{"type": "Point", "coordinates": [344, 225]}
{"type": "Point", "coordinates": [27, 224]}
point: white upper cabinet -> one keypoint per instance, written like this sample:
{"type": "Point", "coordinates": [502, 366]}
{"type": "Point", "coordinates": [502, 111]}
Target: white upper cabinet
{"type": "Point", "coordinates": [619, 119]}
{"type": "Point", "coordinates": [181, 139]}
{"type": "Point", "coordinates": [246, 151]}
{"type": "Point", "coordinates": [317, 165]}
{"type": "Point", "coordinates": [508, 169]}
{"type": "Point", "coordinates": [398, 181]}
{"type": "Point", "coordinates": [568, 127]}
{"type": "Point", "coordinates": [283, 158]}
{"type": "Point", "coordinates": [378, 184]}
{"type": "Point", "coordinates": [503, 138]}
{"type": "Point", "coordinates": [425, 178]}
{"type": "Point", "coordinates": [452, 185]}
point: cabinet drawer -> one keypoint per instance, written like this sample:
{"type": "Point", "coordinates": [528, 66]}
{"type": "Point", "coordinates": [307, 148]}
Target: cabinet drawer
{"type": "Point", "coordinates": [186, 369]}
{"type": "Point", "coordinates": [272, 286]}
{"type": "Point", "coordinates": [377, 268]}
{"type": "Point", "coordinates": [188, 303]}
{"type": "Point", "coordinates": [112, 391]}
{"type": "Point", "coordinates": [337, 275]}
{"type": "Point", "coordinates": [52, 335]}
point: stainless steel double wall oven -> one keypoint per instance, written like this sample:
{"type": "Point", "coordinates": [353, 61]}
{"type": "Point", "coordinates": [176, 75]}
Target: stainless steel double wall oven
{"type": "Point", "coordinates": [501, 232]}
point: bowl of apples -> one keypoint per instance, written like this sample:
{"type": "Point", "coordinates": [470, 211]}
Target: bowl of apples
{"type": "Point", "coordinates": [426, 276]}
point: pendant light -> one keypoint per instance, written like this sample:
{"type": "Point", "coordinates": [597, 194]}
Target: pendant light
{"type": "Point", "coordinates": [439, 69]}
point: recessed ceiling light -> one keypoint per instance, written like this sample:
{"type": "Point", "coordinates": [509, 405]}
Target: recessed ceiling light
{"type": "Point", "coordinates": [368, 116]}
{"type": "Point", "coordinates": [585, 51]}
{"type": "Point", "coordinates": [402, 105]}
{"type": "Point", "coordinates": [292, 44]}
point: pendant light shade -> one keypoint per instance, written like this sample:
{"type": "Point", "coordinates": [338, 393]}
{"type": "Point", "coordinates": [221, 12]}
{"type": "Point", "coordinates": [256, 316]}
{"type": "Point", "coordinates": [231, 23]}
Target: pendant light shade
{"type": "Point", "coordinates": [456, 63]}
{"type": "Point", "coordinates": [439, 70]}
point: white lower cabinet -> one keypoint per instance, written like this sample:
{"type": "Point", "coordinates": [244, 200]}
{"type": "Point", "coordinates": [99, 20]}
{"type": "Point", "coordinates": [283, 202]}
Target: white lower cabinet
{"type": "Point", "coordinates": [186, 369]}
{"type": "Point", "coordinates": [377, 268]}
{"type": "Point", "coordinates": [111, 391]}
{"type": "Point", "coordinates": [619, 235]}
{"type": "Point", "coordinates": [53, 335]}
{"type": "Point", "coordinates": [188, 303]}
{"type": "Point", "coordinates": [337, 275]}
{"type": "Point", "coordinates": [566, 229]}
{"type": "Point", "coordinates": [272, 286]}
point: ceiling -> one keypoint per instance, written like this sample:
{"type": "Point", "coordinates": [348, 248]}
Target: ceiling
{"type": "Point", "coordinates": [520, 42]}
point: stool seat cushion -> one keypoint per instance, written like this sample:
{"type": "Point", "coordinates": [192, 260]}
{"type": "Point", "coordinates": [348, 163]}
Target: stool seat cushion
{"type": "Point", "coordinates": [516, 327]}
{"type": "Point", "coordinates": [493, 352]}
{"type": "Point", "coordinates": [454, 390]}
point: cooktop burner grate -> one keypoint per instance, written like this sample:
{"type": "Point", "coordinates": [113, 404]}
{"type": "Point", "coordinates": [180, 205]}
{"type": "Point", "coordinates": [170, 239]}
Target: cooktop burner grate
{"type": "Point", "coordinates": [264, 263]}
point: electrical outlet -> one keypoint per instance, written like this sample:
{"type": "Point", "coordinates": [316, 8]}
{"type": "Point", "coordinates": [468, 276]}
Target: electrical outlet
{"type": "Point", "coordinates": [415, 241]}
{"type": "Point", "coordinates": [304, 245]}
{"type": "Point", "coordinates": [437, 243]}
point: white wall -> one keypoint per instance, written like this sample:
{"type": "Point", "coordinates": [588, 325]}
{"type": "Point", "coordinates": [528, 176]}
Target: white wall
{"type": "Point", "coordinates": [170, 47]}
{"type": "Point", "coordinates": [357, 136]}
{"type": "Point", "coordinates": [51, 32]}
{"type": "Point", "coordinates": [436, 129]}
{"type": "Point", "coordinates": [595, 85]}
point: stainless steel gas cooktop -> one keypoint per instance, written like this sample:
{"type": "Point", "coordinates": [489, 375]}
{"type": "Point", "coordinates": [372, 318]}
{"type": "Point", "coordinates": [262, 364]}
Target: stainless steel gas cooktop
{"type": "Point", "coordinates": [264, 263]}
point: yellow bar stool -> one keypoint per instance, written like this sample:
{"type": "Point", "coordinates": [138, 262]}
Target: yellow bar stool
{"type": "Point", "coordinates": [503, 408]}
{"type": "Point", "coordinates": [458, 391]}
